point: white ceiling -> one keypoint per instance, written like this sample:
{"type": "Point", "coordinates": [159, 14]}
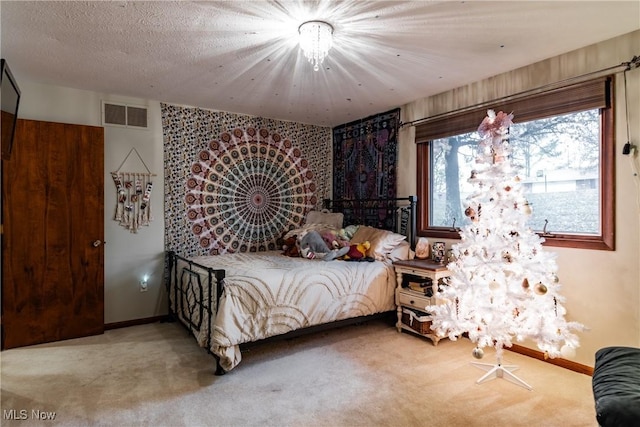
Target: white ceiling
{"type": "Point", "coordinates": [243, 57]}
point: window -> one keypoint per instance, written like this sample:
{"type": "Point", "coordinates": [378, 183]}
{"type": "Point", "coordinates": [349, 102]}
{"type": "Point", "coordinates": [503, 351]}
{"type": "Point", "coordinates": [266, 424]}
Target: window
{"type": "Point", "coordinates": [562, 149]}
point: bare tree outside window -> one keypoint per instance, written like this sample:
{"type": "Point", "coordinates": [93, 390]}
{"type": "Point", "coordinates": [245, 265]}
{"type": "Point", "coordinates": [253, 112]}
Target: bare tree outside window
{"type": "Point", "coordinates": [558, 159]}
{"type": "Point", "coordinates": [562, 142]}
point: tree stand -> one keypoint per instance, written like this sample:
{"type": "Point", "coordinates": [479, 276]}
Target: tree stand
{"type": "Point", "coordinates": [499, 371]}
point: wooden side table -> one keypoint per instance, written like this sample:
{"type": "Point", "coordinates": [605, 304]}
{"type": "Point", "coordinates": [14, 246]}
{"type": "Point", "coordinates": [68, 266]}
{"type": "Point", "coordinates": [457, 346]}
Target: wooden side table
{"type": "Point", "coordinates": [406, 297]}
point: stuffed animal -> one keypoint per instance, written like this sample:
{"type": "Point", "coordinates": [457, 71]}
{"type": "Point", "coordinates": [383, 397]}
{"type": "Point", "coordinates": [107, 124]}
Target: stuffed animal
{"type": "Point", "coordinates": [353, 252]}
{"type": "Point", "coordinates": [311, 245]}
{"type": "Point", "coordinates": [357, 251]}
{"type": "Point", "coordinates": [336, 253]}
{"type": "Point", "coordinates": [290, 247]}
{"type": "Point", "coordinates": [333, 239]}
{"type": "Point", "coordinates": [347, 233]}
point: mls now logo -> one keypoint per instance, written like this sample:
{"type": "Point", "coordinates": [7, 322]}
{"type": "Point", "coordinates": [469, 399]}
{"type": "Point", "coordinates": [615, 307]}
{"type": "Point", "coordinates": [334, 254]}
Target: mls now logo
{"type": "Point", "coordinates": [15, 414]}
{"type": "Point", "coordinates": [23, 414]}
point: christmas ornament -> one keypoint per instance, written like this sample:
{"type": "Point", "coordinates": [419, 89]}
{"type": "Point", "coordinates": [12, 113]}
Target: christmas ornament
{"type": "Point", "coordinates": [451, 257]}
{"type": "Point", "coordinates": [470, 212]}
{"type": "Point", "coordinates": [478, 353]}
{"type": "Point", "coordinates": [540, 288]}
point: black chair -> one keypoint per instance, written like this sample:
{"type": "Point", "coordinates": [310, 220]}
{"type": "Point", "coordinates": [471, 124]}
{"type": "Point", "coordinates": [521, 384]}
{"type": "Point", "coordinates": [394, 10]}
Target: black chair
{"type": "Point", "coordinates": [616, 386]}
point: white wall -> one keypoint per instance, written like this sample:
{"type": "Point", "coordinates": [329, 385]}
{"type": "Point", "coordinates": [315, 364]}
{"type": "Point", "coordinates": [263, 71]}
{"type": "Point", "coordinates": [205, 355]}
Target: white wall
{"type": "Point", "coordinates": [128, 256]}
{"type": "Point", "coordinates": [602, 288]}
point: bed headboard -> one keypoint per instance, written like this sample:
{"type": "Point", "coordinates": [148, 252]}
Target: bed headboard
{"type": "Point", "coordinates": [396, 214]}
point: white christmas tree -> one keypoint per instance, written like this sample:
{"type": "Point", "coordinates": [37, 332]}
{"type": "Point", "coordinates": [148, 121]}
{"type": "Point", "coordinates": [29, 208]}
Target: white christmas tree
{"type": "Point", "coordinates": [503, 285]}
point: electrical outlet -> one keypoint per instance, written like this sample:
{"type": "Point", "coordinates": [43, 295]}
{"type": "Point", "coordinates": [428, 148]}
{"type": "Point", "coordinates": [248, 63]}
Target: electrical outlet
{"type": "Point", "coordinates": [143, 286]}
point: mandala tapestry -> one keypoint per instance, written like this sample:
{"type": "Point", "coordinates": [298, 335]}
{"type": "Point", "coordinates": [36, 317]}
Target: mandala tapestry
{"type": "Point", "coordinates": [246, 189]}
{"type": "Point", "coordinates": [234, 182]}
{"type": "Point", "coordinates": [365, 157]}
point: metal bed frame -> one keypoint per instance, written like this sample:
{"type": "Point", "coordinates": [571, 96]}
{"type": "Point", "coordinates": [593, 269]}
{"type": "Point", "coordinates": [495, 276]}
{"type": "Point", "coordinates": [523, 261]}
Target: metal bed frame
{"type": "Point", "coordinates": [396, 214]}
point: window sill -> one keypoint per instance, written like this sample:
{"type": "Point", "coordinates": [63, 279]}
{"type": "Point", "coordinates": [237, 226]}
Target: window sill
{"type": "Point", "coordinates": [553, 240]}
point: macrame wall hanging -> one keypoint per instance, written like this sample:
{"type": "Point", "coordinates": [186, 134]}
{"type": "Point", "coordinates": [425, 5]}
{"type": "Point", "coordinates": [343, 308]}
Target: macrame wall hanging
{"type": "Point", "coordinates": [133, 196]}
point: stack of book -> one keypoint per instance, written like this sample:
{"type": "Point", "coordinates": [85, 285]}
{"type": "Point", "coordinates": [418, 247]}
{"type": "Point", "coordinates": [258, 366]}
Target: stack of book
{"type": "Point", "coordinates": [423, 286]}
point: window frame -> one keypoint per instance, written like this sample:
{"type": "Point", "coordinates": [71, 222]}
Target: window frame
{"type": "Point", "coordinates": [568, 99]}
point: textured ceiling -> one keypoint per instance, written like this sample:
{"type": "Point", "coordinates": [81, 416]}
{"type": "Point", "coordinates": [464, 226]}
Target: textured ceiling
{"type": "Point", "coordinates": [242, 56]}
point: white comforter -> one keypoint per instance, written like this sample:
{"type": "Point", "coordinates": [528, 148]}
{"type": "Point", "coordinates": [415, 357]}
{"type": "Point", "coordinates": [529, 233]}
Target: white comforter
{"type": "Point", "coordinates": [268, 294]}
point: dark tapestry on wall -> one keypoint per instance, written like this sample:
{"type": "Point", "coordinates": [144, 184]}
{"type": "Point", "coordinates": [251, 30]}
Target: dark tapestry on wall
{"type": "Point", "coordinates": [365, 157]}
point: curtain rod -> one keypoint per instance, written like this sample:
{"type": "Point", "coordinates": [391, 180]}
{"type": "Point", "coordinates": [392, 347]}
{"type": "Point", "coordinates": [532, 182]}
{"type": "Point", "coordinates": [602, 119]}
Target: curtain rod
{"type": "Point", "coordinates": [624, 67]}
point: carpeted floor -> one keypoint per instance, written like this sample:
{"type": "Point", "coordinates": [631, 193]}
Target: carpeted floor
{"type": "Point", "coordinates": [361, 375]}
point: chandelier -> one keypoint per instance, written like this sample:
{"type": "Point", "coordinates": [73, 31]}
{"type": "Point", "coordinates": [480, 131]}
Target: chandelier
{"type": "Point", "coordinates": [315, 41]}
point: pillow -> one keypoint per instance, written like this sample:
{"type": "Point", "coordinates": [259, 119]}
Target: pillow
{"type": "Point", "coordinates": [325, 217]}
{"type": "Point", "coordinates": [401, 252]}
{"type": "Point", "coordinates": [383, 242]}
{"type": "Point", "coordinates": [320, 228]}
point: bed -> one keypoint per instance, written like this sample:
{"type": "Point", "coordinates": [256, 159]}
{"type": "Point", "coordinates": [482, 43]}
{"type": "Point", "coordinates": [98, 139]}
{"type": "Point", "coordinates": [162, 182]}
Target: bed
{"type": "Point", "coordinates": [232, 299]}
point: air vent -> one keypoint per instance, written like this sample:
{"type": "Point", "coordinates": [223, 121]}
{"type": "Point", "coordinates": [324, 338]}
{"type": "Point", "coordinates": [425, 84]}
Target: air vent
{"type": "Point", "coordinates": [114, 115]}
{"type": "Point", "coordinates": [123, 115]}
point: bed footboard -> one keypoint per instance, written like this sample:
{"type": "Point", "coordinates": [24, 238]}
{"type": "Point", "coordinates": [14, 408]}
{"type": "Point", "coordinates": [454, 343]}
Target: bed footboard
{"type": "Point", "coordinates": [194, 293]}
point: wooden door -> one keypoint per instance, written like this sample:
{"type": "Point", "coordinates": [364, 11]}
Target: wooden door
{"type": "Point", "coordinates": [53, 227]}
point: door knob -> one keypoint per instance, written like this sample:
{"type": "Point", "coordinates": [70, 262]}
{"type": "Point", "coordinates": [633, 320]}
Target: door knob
{"type": "Point", "coordinates": [97, 243]}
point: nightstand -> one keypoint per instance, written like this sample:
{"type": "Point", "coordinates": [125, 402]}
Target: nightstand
{"type": "Point", "coordinates": [417, 301]}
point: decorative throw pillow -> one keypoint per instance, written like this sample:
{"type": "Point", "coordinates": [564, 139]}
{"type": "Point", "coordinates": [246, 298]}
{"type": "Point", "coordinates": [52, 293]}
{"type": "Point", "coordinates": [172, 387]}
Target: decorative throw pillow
{"type": "Point", "coordinates": [383, 242]}
{"type": "Point", "coordinates": [325, 217]}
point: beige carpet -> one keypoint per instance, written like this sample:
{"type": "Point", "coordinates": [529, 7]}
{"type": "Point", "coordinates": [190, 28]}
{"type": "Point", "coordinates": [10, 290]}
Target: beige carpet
{"type": "Point", "coordinates": [361, 375]}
